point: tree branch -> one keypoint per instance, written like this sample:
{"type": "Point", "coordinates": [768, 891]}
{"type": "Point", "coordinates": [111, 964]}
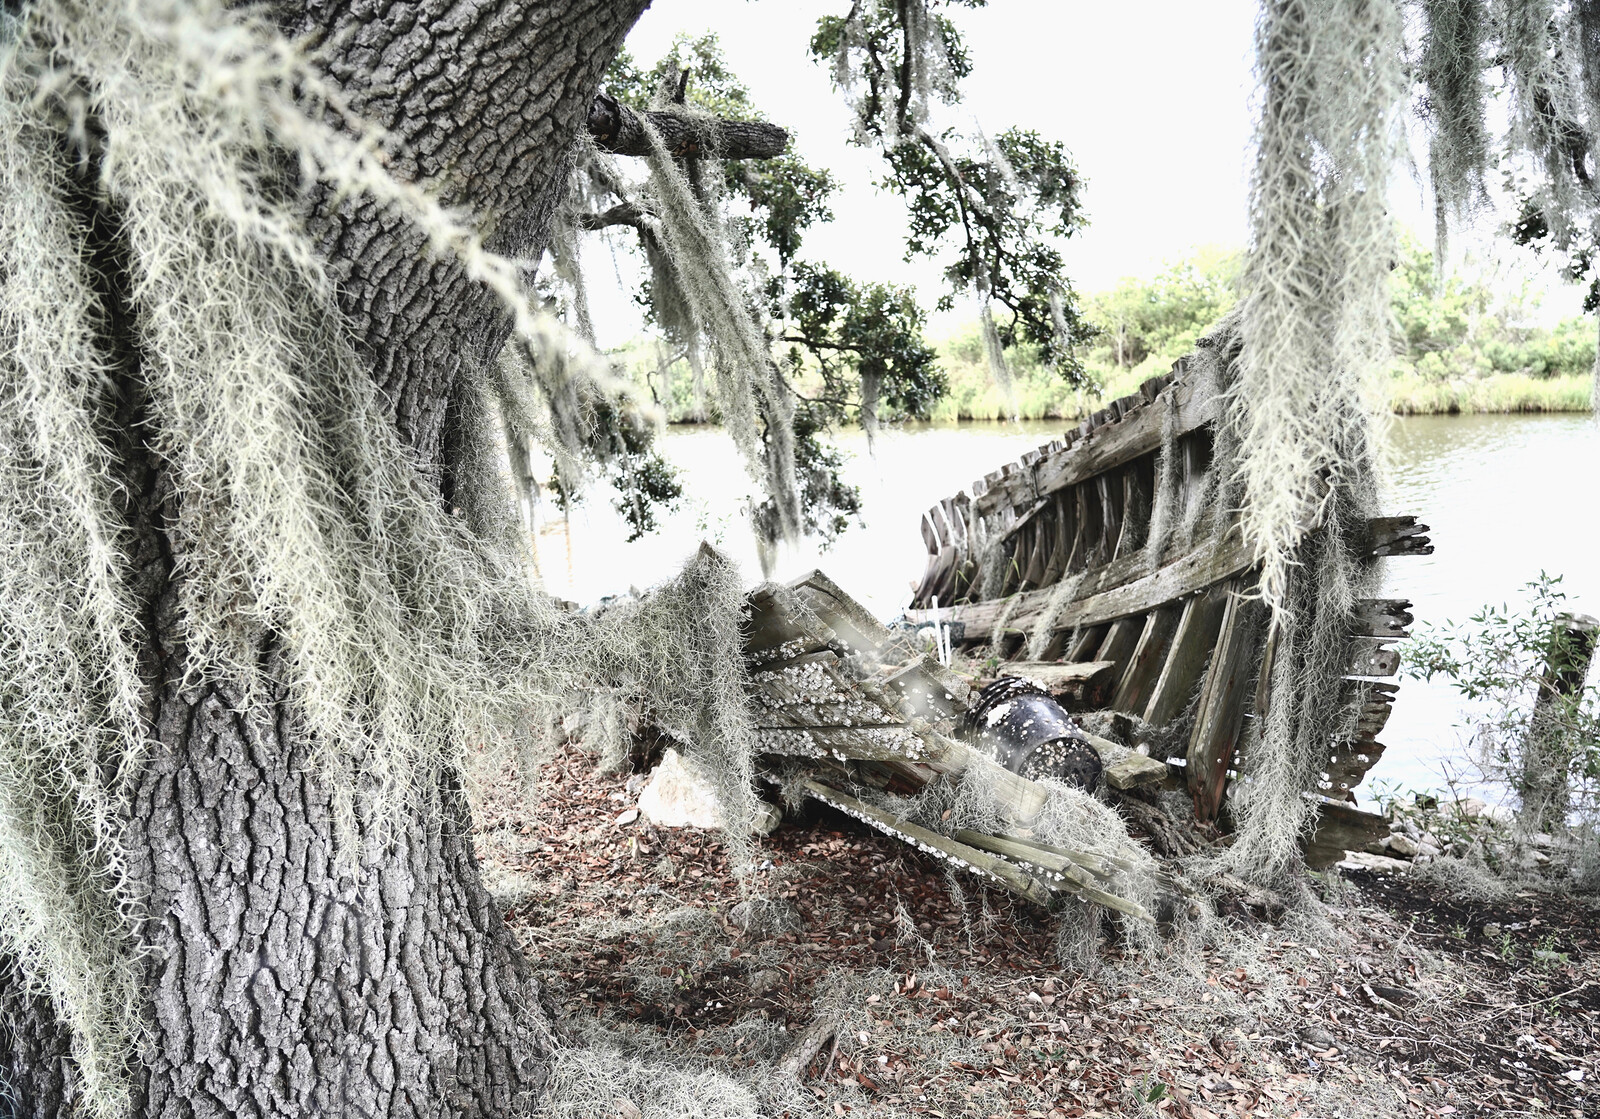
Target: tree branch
{"type": "Point", "coordinates": [624, 213]}
{"type": "Point", "coordinates": [620, 130]}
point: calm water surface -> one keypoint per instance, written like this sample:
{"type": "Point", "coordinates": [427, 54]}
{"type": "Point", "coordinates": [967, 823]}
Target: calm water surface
{"type": "Point", "coordinates": [1506, 496]}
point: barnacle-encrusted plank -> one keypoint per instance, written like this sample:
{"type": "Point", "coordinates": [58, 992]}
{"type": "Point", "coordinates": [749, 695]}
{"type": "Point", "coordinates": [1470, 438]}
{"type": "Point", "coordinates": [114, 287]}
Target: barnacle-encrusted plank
{"type": "Point", "coordinates": [854, 743]}
{"type": "Point", "coordinates": [978, 862]}
{"type": "Point", "coordinates": [817, 691]}
{"type": "Point", "coordinates": [926, 689]}
{"type": "Point", "coordinates": [804, 656]}
{"type": "Point", "coordinates": [1060, 869]}
{"type": "Point", "coordinates": [848, 618]}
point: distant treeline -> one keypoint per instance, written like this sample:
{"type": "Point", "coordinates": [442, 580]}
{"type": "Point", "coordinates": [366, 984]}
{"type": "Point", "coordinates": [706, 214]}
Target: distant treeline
{"type": "Point", "coordinates": [1466, 343]}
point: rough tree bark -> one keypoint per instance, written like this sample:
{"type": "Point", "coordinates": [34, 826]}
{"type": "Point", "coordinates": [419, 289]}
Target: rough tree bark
{"type": "Point", "coordinates": [279, 986]}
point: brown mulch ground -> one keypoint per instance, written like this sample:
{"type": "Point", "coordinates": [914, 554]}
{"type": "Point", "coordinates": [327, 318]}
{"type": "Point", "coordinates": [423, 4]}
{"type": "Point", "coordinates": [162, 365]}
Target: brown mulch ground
{"type": "Point", "coordinates": [957, 1005]}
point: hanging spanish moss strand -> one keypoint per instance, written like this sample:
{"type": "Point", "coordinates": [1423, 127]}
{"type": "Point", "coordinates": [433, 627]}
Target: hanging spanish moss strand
{"type": "Point", "coordinates": [1061, 596]}
{"type": "Point", "coordinates": [871, 387]}
{"type": "Point", "coordinates": [1544, 108]}
{"type": "Point", "coordinates": [756, 406]}
{"type": "Point", "coordinates": [1451, 70]}
{"type": "Point", "coordinates": [1314, 317]}
{"type": "Point", "coordinates": [664, 364]}
{"type": "Point", "coordinates": [1311, 711]}
{"type": "Point", "coordinates": [72, 732]}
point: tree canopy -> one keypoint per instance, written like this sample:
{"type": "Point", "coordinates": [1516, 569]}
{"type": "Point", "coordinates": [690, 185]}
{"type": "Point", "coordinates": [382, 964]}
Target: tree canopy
{"type": "Point", "coordinates": [847, 348]}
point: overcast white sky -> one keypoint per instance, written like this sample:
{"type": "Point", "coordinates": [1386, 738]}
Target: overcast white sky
{"type": "Point", "coordinates": [1152, 97]}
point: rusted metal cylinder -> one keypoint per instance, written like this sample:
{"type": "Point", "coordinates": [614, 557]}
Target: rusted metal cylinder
{"type": "Point", "coordinates": [1015, 722]}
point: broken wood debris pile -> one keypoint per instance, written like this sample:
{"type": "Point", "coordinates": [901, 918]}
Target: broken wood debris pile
{"type": "Point", "coordinates": [860, 727]}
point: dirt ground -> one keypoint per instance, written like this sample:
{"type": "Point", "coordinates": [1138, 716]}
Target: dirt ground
{"type": "Point", "coordinates": [948, 1000]}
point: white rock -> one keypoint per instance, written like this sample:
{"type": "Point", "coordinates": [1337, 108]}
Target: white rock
{"type": "Point", "coordinates": [1360, 860]}
{"type": "Point", "coordinates": [1403, 845]}
{"type": "Point", "coordinates": [676, 797]}
{"type": "Point", "coordinates": [1476, 808]}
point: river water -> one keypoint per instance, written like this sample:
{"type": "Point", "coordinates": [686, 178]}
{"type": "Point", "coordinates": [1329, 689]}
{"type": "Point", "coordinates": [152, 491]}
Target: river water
{"type": "Point", "coordinates": [1505, 497]}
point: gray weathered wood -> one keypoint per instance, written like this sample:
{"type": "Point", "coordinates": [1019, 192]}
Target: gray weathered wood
{"type": "Point", "coordinates": [1381, 617]}
{"type": "Point", "coordinates": [1143, 669]}
{"type": "Point", "coordinates": [1056, 675]}
{"type": "Point", "coordinates": [1340, 828]}
{"type": "Point", "coordinates": [1120, 641]}
{"type": "Point", "coordinates": [1223, 699]}
{"type": "Point", "coordinates": [1104, 447]}
{"type": "Point", "coordinates": [1212, 562]}
{"type": "Point", "coordinates": [1086, 643]}
{"type": "Point", "coordinates": [1394, 536]}
{"type": "Point", "coordinates": [1192, 643]}
{"type": "Point", "coordinates": [1372, 656]}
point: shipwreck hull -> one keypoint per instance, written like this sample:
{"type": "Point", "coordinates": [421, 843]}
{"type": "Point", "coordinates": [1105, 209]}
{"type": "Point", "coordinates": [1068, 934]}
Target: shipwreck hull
{"type": "Point", "coordinates": [1102, 566]}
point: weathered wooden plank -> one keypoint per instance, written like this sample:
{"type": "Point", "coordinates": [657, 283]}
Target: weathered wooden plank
{"type": "Point", "coordinates": [1087, 643]}
{"type": "Point", "coordinates": [1372, 656]}
{"type": "Point", "coordinates": [1109, 445]}
{"type": "Point", "coordinates": [772, 634]}
{"type": "Point", "coordinates": [1135, 771]}
{"type": "Point", "coordinates": [1348, 766]}
{"type": "Point", "coordinates": [1109, 489]}
{"type": "Point", "coordinates": [1137, 482]}
{"type": "Point", "coordinates": [1064, 525]}
{"type": "Point", "coordinates": [926, 690]}
{"type": "Point", "coordinates": [979, 862]}
{"type": "Point", "coordinates": [1381, 617]}
{"type": "Point", "coordinates": [1045, 858]}
{"type": "Point", "coordinates": [1120, 641]}
{"type": "Point", "coordinates": [1341, 828]}
{"type": "Point", "coordinates": [1394, 536]}
{"type": "Point", "coordinates": [1038, 554]}
{"type": "Point", "coordinates": [1060, 869]}
{"type": "Point", "coordinates": [1125, 768]}
{"type": "Point", "coordinates": [1223, 699]}
{"type": "Point", "coordinates": [1144, 665]}
{"type": "Point", "coordinates": [1192, 643]}
{"type": "Point", "coordinates": [1210, 563]}
{"type": "Point", "coordinates": [883, 743]}
{"type": "Point", "coordinates": [1088, 547]}
{"type": "Point", "coordinates": [854, 623]}
{"type": "Point", "coordinates": [1056, 675]}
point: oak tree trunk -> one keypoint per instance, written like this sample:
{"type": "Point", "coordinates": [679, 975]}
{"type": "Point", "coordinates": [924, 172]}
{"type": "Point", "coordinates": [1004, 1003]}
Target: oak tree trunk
{"type": "Point", "coordinates": [281, 982]}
